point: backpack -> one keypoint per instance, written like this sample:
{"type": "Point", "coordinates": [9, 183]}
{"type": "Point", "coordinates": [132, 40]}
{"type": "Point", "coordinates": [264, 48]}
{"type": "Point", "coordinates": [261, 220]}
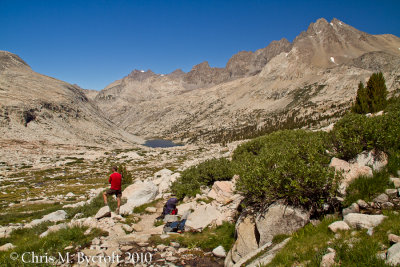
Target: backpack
{"type": "Point", "coordinates": [174, 226]}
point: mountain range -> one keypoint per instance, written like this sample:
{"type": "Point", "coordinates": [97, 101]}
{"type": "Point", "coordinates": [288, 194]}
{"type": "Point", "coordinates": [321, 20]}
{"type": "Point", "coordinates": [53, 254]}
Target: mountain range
{"type": "Point", "coordinates": [309, 82]}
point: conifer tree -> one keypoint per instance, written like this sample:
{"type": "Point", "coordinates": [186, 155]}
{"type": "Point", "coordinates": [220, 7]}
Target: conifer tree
{"type": "Point", "coordinates": [372, 98]}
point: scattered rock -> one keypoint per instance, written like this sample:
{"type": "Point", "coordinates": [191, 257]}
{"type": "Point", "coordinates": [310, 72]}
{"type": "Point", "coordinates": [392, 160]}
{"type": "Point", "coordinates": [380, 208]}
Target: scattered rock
{"type": "Point", "coordinates": [56, 216]}
{"type": "Point", "coordinates": [358, 220]}
{"type": "Point", "coordinates": [175, 244]}
{"type": "Point", "coordinates": [381, 198]}
{"type": "Point", "coordinates": [394, 238]}
{"type": "Point", "coordinates": [103, 212]}
{"type": "Point", "coordinates": [219, 252]}
{"type": "Point", "coordinates": [6, 247]}
{"type": "Point", "coordinates": [69, 247]}
{"type": "Point", "coordinates": [391, 192]}
{"type": "Point", "coordinates": [370, 231]}
{"type": "Point", "coordinates": [75, 205]}
{"type": "Point", "coordinates": [339, 225]}
{"type": "Point", "coordinates": [362, 204]}
{"type": "Point", "coordinates": [353, 208]}
{"type": "Point", "coordinates": [350, 172]}
{"type": "Point", "coordinates": [396, 182]}
{"type": "Point", "coordinates": [328, 259]}
{"type": "Point", "coordinates": [151, 209]}
{"type": "Point", "coordinates": [127, 228]}
{"type": "Point", "coordinates": [393, 254]}
{"type": "Point", "coordinates": [161, 247]}
{"type": "Point", "coordinates": [54, 228]}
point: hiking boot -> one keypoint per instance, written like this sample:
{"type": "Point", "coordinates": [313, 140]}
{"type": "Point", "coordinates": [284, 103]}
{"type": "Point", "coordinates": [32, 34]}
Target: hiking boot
{"type": "Point", "coordinates": [117, 211]}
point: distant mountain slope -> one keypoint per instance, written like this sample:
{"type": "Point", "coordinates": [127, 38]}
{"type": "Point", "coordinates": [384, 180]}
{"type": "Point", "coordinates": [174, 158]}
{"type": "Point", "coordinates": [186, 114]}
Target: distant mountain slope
{"type": "Point", "coordinates": [37, 107]}
{"type": "Point", "coordinates": [312, 80]}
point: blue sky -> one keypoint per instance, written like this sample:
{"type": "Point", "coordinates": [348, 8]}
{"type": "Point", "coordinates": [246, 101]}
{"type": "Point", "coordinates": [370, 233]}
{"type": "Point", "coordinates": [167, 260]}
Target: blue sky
{"type": "Point", "coordinates": [93, 43]}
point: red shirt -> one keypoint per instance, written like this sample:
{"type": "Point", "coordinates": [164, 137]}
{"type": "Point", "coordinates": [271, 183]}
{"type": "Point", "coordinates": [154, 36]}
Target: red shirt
{"type": "Point", "coordinates": [115, 181]}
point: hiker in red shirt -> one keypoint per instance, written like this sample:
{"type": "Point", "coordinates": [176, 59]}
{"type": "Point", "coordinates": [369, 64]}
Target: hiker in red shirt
{"type": "Point", "coordinates": [115, 189]}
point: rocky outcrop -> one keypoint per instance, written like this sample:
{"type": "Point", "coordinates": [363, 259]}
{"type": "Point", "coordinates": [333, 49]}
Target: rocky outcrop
{"type": "Point", "coordinates": [254, 231]}
{"type": "Point", "coordinates": [280, 219]}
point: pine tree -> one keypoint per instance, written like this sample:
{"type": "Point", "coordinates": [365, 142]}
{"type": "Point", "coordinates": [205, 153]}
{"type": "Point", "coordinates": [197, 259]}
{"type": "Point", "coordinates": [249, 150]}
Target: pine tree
{"type": "Point", "coordinates": [372, 98]}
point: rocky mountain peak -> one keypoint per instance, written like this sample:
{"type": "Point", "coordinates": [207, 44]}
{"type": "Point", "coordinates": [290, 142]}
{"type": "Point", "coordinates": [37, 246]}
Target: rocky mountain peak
{"type": "Point", "coordinates": [9, 60]}
{"type": "Point", "coordinates": [141, 75]}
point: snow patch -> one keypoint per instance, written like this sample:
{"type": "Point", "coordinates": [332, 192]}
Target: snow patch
{"type": "Point", "coordinates": [333, 59]}
{"type": "Point", "coordinates": [162, 75]}
{"type": "Point", "coordinates": [331, 23]}
{"type": "Point", "coordinates": [141, 70]}
{"type": "Point", "coordinates": [340, 23]}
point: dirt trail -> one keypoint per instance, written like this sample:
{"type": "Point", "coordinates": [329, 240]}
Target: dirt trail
{"type": "Point", "coordinates": [146, 223]}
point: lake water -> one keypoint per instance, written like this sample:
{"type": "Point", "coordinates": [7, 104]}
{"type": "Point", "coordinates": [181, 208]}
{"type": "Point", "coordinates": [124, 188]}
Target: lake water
{"type": "Point", "coordinates": [160, 143]}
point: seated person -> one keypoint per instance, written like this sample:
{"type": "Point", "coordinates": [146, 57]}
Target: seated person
{"type": "Point", "coordinates": [169, 208]}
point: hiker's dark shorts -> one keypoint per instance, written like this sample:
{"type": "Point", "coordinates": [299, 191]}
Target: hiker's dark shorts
{"type": "Point", "coordinates": [117, 193]}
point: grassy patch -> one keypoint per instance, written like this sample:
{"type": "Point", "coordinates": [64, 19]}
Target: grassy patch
{"type": "Point", "coordinates": [142, 209]}
{"type": "Point", "coordinates": [27, 240]}
{"type": "Point", "coordinates": [34, 212]}
{"type": "Point", "coordinates": [93, 207]}
{"type": "Point", "coordinates": [353, 248]}
{"type": "Point", "coordinates": [366, 188]}
{"type": "Point", "coordinates": [207, 240]}
{"type": "Point", "coordinates": [206, 200]}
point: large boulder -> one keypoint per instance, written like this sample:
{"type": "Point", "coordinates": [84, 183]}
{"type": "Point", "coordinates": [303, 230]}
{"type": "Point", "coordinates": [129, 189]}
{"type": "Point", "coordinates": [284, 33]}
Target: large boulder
{"type": "Point", "coordinates": [350, 172]}
{"type": "Point", "coordinates": [202, 217]}
{"type": "Point", "coordinates": [246, 240]}
{"type": "Point", "coordinates": [222, 191]}
{"type": "Point", "coordinates": [280, 219]}
{"type": "Point", "coordinates": [138, 194]}
{"type": "Point", "coordinates": [56, 216]}
{"type": "Point", "coordinates": [374, 159]}
{"type": "Point", "coordinates": [358, 220]}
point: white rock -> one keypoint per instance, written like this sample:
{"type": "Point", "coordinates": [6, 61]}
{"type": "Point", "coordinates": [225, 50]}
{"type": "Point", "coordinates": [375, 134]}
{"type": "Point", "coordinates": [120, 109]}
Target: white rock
{"type": "Point", "coordinates": [202, 217]}
{"type": "Point", "coordinates": [151, 209]}
{"type": "Point", "coordinates": [350, 172]}
{"type": "Point", "coordinates": [138, 194]}
{"type": "Point", "coordinates": [391, 192]}
{"type": "Point", "coordinates": [222, 191]}
{"type": "Point", "coordinates": [78, 204]}
{"type": "Point", "coordinates": [382, 198]}
{"type": "Point", "coordinates": [396, 182]}
{"type": "Point", "coordinates": [6, 247]}
{"type": "Point", "coordinates": [70, 194]}
{"type": "Point", "coordinates": [219, 252]}
{"type": "Point", "coordinates": [56, 216]}
{"type": "Point", "coordinates": [339, 225]}
{"type": "Point", "coordinates": [103, 212]}
{"type": "Point", "coordinates": [358, 220]}
{"type": "Point", "coordinates": [376, 160]}
{"type": "Point", "coordinates": [393, 254]}
{"type": "Point", "coordinates": [353, 208]}
{"type": "Point", "coordinates": [328, 259]}
{"type": "Point", "coordinates": [54, 228]}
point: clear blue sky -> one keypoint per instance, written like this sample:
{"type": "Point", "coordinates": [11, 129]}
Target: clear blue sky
{"type": "Point", "coordinates": [93, 43]}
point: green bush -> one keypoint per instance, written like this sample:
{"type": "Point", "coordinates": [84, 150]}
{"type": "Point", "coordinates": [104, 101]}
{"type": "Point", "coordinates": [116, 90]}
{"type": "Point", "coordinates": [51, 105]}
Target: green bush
{"type": "Point", "coordinates": [355, 133]}
{"type": "Point", "coordinates": [292, 165]}
{"type": "Point", "coordinates": [351, 135]}
{"type": "Point", "coordinates": [204, 174]}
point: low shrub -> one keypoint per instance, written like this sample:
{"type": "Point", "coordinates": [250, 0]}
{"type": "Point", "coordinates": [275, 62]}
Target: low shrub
{"type": "Point", "coordinates": [292, 165]}
{"type": "Point", "coordinates": [204, 174]}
